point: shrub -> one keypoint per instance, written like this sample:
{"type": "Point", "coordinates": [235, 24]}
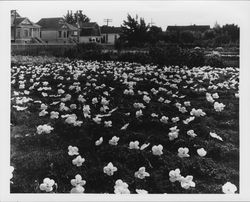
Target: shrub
{"type": "Point", "coordinates": [214, 60]}
{"type": "Point", "coordinates": [193, 58]}
{"type": "Point", "coordinates": [165, 54]}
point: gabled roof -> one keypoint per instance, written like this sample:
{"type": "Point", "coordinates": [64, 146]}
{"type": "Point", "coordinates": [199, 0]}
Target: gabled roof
{"type": "Point", "coordinates": [90, 32]}
{"type": "Point", "coordinates": [55, 24]}
{"type": "Point", "coordinates": [18, 21]}
{"type": "Point", "coordinates": [110, 30]}
{"type": "Point", "coordinates": [88, 24]}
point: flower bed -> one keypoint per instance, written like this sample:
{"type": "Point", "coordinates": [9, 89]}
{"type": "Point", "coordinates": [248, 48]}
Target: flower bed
{"type": "Point", "coordinates": [114, 127]}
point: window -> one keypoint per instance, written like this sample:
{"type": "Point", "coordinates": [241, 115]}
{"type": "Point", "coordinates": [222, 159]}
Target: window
{"type": "Point", "coordinates": [30, 32]}
{"type": "Point", "coordinates": [26, 33]}
{"type": "Point", "coordinates": [18, 33]}
{"type": "Point", "coordinates": [67, 34]}
{"type": "Point", "coordinates": [60, 34]}
{"type": "Point", "coordinates": [75, 33]}
{"type": "Point", "coordinates": [64, 34]}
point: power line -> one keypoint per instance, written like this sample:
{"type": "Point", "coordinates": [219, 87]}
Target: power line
{"type": "Point", "coordinates": [107, 21]}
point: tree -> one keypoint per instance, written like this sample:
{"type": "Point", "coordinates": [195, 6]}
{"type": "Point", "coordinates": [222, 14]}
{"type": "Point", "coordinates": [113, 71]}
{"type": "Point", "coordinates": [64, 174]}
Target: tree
{"type": "Point", "coordinates": [78, 16]}
{"type": "Point", "coordinates": [187, 37]}
{"type": "Point", "coordinates": [232, 31]}
{"type": "Point", "coordinates": [154, 34]}
{"type": "Point", "coordinates": [134, 31]}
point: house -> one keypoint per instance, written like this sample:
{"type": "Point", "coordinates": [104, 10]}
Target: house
{"type": "Point", "coordinates": [23, 30]}
{"type": "Point", "coordinates": [56, 30]}
{"type": "Point", "coordinates": [110, 34]}
{"type": "Point", "coordinates": [192, 28]}
{"type": "Point", "coordinates": [89, 32]}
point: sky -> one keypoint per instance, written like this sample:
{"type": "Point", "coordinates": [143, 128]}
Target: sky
{"type": "Point", "coordinates": [161, 13]}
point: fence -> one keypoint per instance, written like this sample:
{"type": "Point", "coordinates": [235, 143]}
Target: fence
{"type": "Point", "coordinates": [40, 49]}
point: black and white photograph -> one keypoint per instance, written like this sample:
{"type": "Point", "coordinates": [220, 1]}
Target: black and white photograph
{"type": "Point", "coordinates": [125, 97]}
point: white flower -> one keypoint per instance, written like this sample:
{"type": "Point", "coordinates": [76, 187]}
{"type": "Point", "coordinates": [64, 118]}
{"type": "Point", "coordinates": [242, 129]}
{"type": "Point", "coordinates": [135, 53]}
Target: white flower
{"type": "Point", "coordinates": [60, 91]}
{"type": "Point", "coordinates": [141, 173]}
{"type": "Point", "coordinates": [161, 99]}
{"type": "Point", "coordinates": [214, 135]}
{"type": "Point", "coordinates": [215, 95]}
{"type": "Point", "coordinates": [175, 175]}
{"type": "Point", "coordinates": [141, 191]}
{"type": "Point", "coordinates": [121, 187]}
{"type": "Point", "coordinates": [99, 142]}
{"type": "Point", "coordinates": [94, 101]}
{"type": "Point", "coordinates": [81, 99]}
{"type": "Point", "coordinates": [73, 106]}
{"type": "Point", "coordinates": [54, 115]}
{"type": "Point", "coordinates": [188, 120]}
{"type": "Point", "coordinates": [164, 119]}
{"type": "Point", "coordinates": [175, 119]}
{"type": "Point", "coordinates": [157, 150]}
{"type": "Point", "coordinates": [229, 188]}
{"type": "Point", "coordinates": [86, 111]}
{"type": "Point", "coordinates": [138, 113]}
{"type": "Point", "coordinates": [47, 185]}
{"type": "Point", "coordinates": [107, 124]}
{"type": "Point", "coordinates": [146, 99]}
{"type": "Point", "coordinates": [187, 103]}
{"type": "Point", "coordinates": [97, 120]}
{"type": "Point", "coordinates": [43, 113]}
{"type": "Point", "coordinates": [183, 152]}
{"type": "Point", "coordinates": [209, 97]}
{"type": "Point", "coordinates": [138, 105]}
{"type": "Point", "coordinates": [114, 140]}
{"type": "Point", "coordinates": [77, 189]}
{"type": "Point", "coordinates": [173, 134]}
{"type": "Point", "coordinates": [109, 169]}
{"type": "Point", "coordinates": [44, 129]}
{"type": "Point", "coordinates": [197, 112]}
{"type": "Point", "coordinates": [73, 150]}
{"type": "Point", "coordinates": [187, 182]}
{"type": "Point", "coordinates": [154, 115]}
{"type": "Point", "coordinates": [202, 152]}
{"type": "Point", "coordinates": [78, 161]}
{"type": "Point", "coordinates": [134, 145]}
{"type": "Point", "coordinates": [191, 133]}
{"type": "Point", "coordinates": [78, 181]}
{"type": "Point", "coordinates": [104, 101]}
{"type": "Point", "coordinates": [44, 107]}
{"type": "Point", "coordinates": [219, 106]}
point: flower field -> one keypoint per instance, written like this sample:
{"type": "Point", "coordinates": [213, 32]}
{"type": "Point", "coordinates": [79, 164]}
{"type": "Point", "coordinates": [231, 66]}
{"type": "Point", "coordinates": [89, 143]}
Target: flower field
{"type": "Point", "coordinates": [117, 127]}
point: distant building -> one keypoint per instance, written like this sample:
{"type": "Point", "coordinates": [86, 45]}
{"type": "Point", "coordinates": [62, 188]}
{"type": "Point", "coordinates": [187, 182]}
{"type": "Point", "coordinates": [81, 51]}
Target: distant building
{"type": "Point", "coordinates": [110, 34]}
{"type": "Point", "coordinates": [56, 30]}
{"type": "Point", "coordinates": [23, 30]}
{"type": "Point", "coordinates": [89, 32]}
{"type": "Point", "coordinates": [193, 28]}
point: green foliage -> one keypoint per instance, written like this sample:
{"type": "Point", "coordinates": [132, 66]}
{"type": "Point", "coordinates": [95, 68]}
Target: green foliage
{"type": "Point", "coordinates": [78, 16]}
{"type": "Point", "coordinates": [214, 61]}
{"type": "Point", "coordinates": [134, 31]}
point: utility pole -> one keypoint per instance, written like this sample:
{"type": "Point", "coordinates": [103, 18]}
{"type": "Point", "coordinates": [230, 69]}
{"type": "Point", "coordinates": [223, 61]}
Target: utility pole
{"type": "Point", "coordinates": [151, 23]}
{"type": "Point", "coordinates": [107, 21]}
